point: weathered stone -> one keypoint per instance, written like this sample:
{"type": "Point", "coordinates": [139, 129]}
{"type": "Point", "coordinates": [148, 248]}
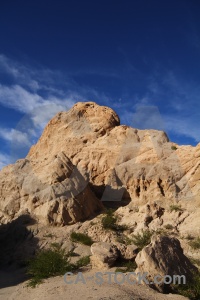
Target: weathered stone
{"type": "Point", "coordinates": [164, 256]}
{"type": "Point", "coordinates": [84, 154]}
{"type": "Point", "coordinates": [104, 255]}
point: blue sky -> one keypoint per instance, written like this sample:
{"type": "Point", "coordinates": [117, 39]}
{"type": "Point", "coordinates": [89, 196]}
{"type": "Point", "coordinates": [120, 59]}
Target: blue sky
{"type": "Point", "coordinates": [141, 58]}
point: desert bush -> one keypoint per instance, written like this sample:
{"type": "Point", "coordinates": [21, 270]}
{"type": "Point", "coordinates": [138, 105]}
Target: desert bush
{"type": "Point", "coordinates": [48, 263]}
{"type": "Point", "coordinates": [81, 238]}
{"type": "Point", "coordinates": [142, 239]}
{"type": "Point", "coordinates": [195, 244]}
{"type": "Point", "coordinates": [49, 235]}
{"type": "Point", "coordinates": [173, 147]}
{"type": "Point", "coordinates": [126, 266]}
{"type": "Point", "coordinates": [195, 261]}
{"type": "Point", "coordinates": [82, 262]}
{"type": "Point", "coordinates": [175, 208]}
{"type": "Point", "coordinates": [52, 262]}
{"type": "Point", "coordinates": [123, 239]}
{"type": "Point", "coordinates": [191, 289]}
{"type": "Point", "coordinates": [109, 221]}
{"type": "Point", "coordinates": [189, 237]}
{"type": "Point", "coordinates": [169, 227]}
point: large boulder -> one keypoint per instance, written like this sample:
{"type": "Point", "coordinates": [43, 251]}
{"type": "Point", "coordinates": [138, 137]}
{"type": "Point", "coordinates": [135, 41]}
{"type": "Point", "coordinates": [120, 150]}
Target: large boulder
{"type": "Point", "coordinates": [164, 256]}
{"type": "Point", "coordinates": [48, 191]}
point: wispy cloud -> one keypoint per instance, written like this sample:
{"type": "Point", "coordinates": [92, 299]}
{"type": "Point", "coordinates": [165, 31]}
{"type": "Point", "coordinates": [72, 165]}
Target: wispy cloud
{"type": "Point", "coordinates": [16, 136]}
{"type": "Point", "coordinates": [38, 93]}
{"type": "Point", "coordinates": [4, 160]}
{"type": "Point", "coordinates": [178, 101]}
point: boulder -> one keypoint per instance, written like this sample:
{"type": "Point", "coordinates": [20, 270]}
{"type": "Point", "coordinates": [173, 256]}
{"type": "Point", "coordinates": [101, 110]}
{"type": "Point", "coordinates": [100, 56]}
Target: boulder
{"type": "Point", "coordinates": [104, 255]}
{"type": "Point", "coordinates": [47, 191]}
{"type": "Point", "coordinates": [164, 256]}
{"type": "Point", "coordinates": [128, 252]}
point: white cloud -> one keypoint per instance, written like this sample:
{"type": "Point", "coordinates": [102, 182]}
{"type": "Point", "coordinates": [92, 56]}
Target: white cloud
{"type": "Point", "coordinates": [4, 160]}
{"type": "Point", "coordinates": [15, 136]}
{"type": "Point", "coordinates": [18, 98]}
{"type": "Point", "coordinates": [41, 93]}
{"type": "Point", "coordinates": [7, 67]}
{"type": "Point", "coordinates": [38, 94]}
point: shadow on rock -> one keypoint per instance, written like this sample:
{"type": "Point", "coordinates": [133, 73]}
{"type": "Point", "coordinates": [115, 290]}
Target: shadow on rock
{"type": "Point", "coordinates": [17, 244]}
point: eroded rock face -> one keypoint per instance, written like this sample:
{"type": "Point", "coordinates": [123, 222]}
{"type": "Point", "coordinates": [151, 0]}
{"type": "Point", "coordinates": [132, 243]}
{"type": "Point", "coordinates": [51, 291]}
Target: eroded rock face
{"type": "Point", "coordinates": [84, 154]}
{"type": "Point", "coordinates": [121, 162]}
{"type": "Point", "coordinates": [164, 256]}
{"type": "Point", "coordinates": [47, 191]}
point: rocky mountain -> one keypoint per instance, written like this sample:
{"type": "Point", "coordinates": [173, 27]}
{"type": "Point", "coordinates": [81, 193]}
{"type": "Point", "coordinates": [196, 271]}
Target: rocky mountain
{"type": "Point", "coordinates": [85, 158]}
{"type": "Point", "coordinates": [84, 162]}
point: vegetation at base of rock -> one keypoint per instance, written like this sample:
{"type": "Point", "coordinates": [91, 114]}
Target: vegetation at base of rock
{"type": "Point", "coordinates": [125, 266]}
{"type": "Point", "coordinates": [195, 244]}
{"type": "Point", "coordinates": [195, 261]}
{"type": "Point", "coordinates": [173, 147]}
{"type": "Point", "coordinates": [191, 289]}
{"type": "Point", "coordinates": [142, 239]}
{"type": "Point", "coordinates": [49, 235]}
{"type": "Point", "coordinates": [109, 221]}
{"type": "Point", "coordinates": [175, 208]}
{"type": "Point", "coordinates": [50, 263]}
{"type": "Point", "coordinates": [83, 261]}
{"type": "Point", "coordinates": [160, 231]}
{"type": "Point", "coordinates": [168, 227]}
{"type": "Point", "coordinates": [189, 237]}
{"type": "Point", "coordinates": [81, 238]}
{"type": "Point", "coordinates": [123, 239]}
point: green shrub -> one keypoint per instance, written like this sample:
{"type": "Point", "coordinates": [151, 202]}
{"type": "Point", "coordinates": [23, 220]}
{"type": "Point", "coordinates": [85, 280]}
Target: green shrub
{"type": "Point", "coordinates": [175, 208]}
{"type": "Point", "coordinates": [49, 235]}
{"type": "Point", "coordinates": [189, 237]}
{"type": "Point", "coordinates": [123, 239]}
{"type": "Point", "coordinates": [126, 266]}
{"type": "Point", "coordinates": [173, 147]}
{"type": "Point", "coordinates": [195, 261]}
{"type": "Point", "coordinates": [52, 262]}
{"type": "Point", "coordinates": [191, 289]}
{"type": "Point", "coordinates": [81, 238]}
{"type": "Point", "coordinates": [83, 261]}
{"type": "Point", "coordinates": [160, 231]}
{"type": "Point", "coordinates": [142, 239]}
{"type": "Point", "coordinates": [47, 263]}
{"type": "Point", "coordinates": [195, 244]}
{"type": "Point", "coordinates": [109, 221]}
{"type": "Point", "coordinates": [169, 226]}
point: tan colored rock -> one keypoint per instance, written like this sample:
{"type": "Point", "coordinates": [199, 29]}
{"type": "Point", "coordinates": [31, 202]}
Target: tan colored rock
{"type": "Point", "coordinates": [128, 252]}
{"type": "Point", "coordinates": [47, 192]}
{"type": "Point", "coordinates": [140, 162]}
{"type": "Point", "coordinates": [104, 255]}
{"type": "Point", "coordinates": [164, 256]}
{"type": "Point", "coordinates": [84, 154]}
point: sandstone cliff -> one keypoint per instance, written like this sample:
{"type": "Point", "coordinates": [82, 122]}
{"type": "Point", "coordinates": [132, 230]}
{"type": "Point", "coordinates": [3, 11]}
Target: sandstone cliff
{"type": "Point", "coordinates": [84, 156]}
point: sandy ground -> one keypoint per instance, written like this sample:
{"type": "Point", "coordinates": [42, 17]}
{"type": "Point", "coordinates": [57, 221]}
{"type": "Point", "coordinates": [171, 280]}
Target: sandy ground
{"type": "Point", "coordinates": [56, 288]}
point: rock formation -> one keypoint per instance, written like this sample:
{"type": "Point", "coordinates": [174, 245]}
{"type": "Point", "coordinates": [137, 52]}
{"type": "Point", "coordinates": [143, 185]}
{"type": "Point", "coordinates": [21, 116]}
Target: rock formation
{"type": "Point", "coordinates": [104, 255]}
{"type": "Point", "coordinates": [83, 156]}
{"type": "Point", "coordinates": [164, 257]}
